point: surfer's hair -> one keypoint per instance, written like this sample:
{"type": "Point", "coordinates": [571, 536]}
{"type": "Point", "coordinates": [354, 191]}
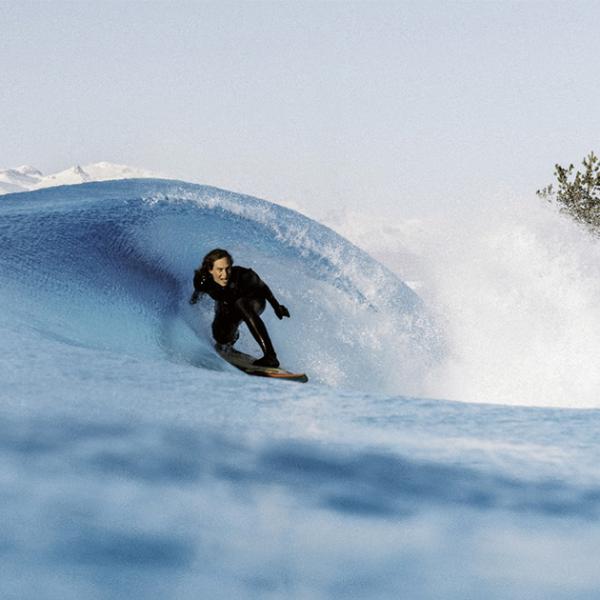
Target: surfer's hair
{"type": "Point", "coordinates": [209, 260]}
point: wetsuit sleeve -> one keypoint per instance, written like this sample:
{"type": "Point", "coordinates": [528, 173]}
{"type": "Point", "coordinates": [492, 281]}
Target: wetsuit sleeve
{"type": "Point", "coordinates": [200, 285]}
{"type": "Point", "coordinates": [257, 283]}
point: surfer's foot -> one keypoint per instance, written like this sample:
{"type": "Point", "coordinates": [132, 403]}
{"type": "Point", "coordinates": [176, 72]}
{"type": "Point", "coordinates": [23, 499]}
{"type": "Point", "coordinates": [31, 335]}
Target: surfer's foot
{"type": "Point", "coordinates": [268, 360]}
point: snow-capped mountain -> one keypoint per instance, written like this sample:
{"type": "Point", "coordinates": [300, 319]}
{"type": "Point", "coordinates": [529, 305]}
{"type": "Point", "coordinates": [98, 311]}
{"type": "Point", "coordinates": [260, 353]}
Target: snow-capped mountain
{"type": "Point", "coordinates": [19, 179]}
{"type": "Point", "coordinates": [27, 178]}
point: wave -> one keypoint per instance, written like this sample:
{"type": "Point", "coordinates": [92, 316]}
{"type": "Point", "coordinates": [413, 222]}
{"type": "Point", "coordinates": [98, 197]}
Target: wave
{"type": "Point", "coordinates": [109, 266]}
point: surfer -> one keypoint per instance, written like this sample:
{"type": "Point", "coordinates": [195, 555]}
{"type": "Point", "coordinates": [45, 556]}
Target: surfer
{"type": "Point", "coordinates": [239, 295]}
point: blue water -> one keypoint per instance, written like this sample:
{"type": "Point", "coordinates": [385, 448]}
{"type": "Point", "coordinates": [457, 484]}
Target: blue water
{"type": "Point", "coordinates": [135, 463]}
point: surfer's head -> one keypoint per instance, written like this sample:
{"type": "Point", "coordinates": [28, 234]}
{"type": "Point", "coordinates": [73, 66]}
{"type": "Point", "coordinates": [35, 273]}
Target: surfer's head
{"type": "Point", "coordinates": [217, 263]}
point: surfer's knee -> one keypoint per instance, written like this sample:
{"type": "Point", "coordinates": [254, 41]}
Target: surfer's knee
{"type": "Point", "coordinates": [225, 334]}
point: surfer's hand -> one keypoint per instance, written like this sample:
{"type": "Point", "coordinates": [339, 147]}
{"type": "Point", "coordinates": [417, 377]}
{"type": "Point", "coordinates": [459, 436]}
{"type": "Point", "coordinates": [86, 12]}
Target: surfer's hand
{"type": "Point", "coordinates": [194, 299]}
{"type": "Point", "coordinates": [281, 311]}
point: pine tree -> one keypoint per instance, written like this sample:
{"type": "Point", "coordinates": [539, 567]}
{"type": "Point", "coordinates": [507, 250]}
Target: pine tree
{"type": "Point", "coordinates": [578, 195]}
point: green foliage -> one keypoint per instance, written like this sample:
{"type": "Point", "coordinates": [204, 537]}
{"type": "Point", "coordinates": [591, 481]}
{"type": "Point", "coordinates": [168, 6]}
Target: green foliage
{"type": "Point", "coordinates": [578, 195]}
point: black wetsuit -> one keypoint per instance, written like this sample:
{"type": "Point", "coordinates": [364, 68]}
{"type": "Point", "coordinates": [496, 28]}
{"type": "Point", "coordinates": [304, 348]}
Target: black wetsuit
{"type": "Point", "coordinates": [242, 299]}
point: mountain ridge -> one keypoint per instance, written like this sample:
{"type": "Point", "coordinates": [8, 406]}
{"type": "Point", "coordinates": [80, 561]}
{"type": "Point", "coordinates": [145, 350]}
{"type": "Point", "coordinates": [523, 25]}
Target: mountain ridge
{"type": "Point", "coordinates": [27, 178]}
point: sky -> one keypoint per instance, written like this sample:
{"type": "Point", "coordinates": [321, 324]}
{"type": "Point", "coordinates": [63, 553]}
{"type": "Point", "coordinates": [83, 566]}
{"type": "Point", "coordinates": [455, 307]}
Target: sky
{"type": "Point", "coordinates": [398, 107]}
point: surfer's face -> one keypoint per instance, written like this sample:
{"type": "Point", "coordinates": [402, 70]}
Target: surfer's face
{"type": "Point", "coordinates": [221, 270]}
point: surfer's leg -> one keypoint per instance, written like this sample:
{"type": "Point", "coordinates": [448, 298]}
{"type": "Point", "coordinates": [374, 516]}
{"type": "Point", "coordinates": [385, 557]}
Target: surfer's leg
{"type": "Point", "coordinates": [225, 327]}
{"type": "Point", "coordinates": [250, 309]}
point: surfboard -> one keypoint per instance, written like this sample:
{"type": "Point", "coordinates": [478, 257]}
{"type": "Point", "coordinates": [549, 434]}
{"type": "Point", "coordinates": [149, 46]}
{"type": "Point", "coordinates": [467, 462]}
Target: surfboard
{"type": "Point", "coordinates": [244, 363]}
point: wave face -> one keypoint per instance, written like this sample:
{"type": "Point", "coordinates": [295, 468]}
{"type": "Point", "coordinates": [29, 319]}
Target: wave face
{"type": "Point", "coordinates": [109, 266]}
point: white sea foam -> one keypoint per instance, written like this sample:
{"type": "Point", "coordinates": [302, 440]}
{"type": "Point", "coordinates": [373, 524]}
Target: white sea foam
{"type": "Point", "coordinates": [516, 290]}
